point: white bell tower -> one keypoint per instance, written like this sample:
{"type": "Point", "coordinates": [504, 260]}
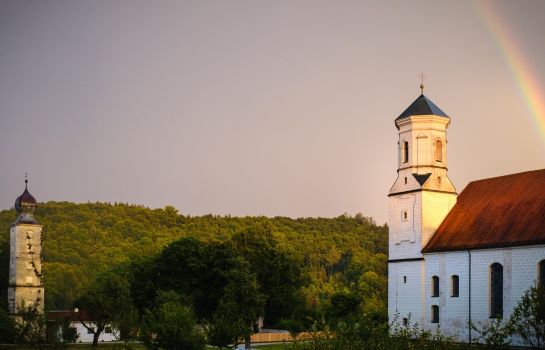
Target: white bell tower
{"type": "Point", "coordinates": [419, 200]}
{"type": "Point", "coordinates": [25, 289]}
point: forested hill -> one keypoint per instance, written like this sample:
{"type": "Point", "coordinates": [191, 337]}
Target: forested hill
{"type": "Point", "coordinates": [339, 255]}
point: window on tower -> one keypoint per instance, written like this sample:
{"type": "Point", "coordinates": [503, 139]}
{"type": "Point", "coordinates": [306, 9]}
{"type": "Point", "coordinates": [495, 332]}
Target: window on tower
{"type": "Point", "coordinates": [438, 151]}
{"type": "Point", "coordinates": [405, 151]}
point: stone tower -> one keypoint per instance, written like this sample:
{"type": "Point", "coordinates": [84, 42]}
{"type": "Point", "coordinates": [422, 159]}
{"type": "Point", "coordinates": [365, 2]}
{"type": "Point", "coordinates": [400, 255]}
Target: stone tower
{"type": "Point", "coordinates": [419, 200]}
{"type": "Point", "coordinates": [25, 288]}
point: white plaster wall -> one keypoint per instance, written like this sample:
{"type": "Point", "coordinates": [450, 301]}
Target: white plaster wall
{"type": "Point", "coordinates": [519, 273]}
{"type": "Point", "coordinates": [85, 337]}
{"type": "Point", "coordinates": [435, 207]}
{"type": "Point", "coordinates": [453, 311]}
{"type": "Point", "coordinates": [404, 235]}
{"type": "Point", "coordinates": [406, 298]}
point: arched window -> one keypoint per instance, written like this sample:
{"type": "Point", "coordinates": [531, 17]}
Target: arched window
{"type": "Point", "coordinates": [405, 151]}
{"type": "Point", "coordinates": [541, 273]}
{"type": "Point", "coordinates": [455, 285]}
{"type": "Point", "coordinates": [496, 290]}
{"type": "Point", "coordinates": [438, 151]}
{"type": "Point", "coordinates": [435, 286]}
{"type": "Point", "coordinates": [434, 314]}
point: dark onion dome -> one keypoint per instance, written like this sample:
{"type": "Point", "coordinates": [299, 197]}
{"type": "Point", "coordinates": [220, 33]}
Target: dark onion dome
{"type": "Point", "coordinates": [25, 205]}
{"type": "Point", "coordinates": [422, 106]}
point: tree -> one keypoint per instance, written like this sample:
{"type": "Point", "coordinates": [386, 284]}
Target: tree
{"type": "Point", "coordinates": [528, 317]}
{"type": "Point", "coordinates": [240, 306]}
{"type": "Point", "coordinates": [494, 335]}
{"type": "Point", "coordinates": [30, 325]}
{"type": "Point", "coordinates": [171, 325]}
{"type": "Point", "coordinates": [107, 302]}
{"type": "Point", "coordinates": [278, 271]}
{"type": "Point", "coordinates": [7, 327]}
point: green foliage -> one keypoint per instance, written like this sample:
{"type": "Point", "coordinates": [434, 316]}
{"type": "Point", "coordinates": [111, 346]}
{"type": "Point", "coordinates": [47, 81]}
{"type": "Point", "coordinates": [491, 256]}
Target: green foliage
{"type": "Point", "coordinates": [30, 325]}
{"type": "Point", "coordinates": [8, 331]}
{"type": "Point", "coordinates": [495, 334]}
{"type": "Point", "coordinates": [528, 317]}
{"type": "Point", "coordinates": [108, 302]}
{"type": "Point", "coordinates": [171, 325]}
{"type": "Point", "coordinates": [68, 333]}
{"type": "Point", "coordinates": [301, 262]}
{"type": "Point", "coordinates": [362, 333]}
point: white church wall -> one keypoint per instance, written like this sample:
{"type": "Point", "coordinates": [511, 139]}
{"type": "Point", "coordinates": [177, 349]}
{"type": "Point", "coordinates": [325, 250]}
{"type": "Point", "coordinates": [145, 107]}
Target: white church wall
{"type": "Point", "coordinates": [405, 292]}
{"type": "Point", "coordinates": [519, 273]}
{"type": "Point", "coordinates": [453, 311]}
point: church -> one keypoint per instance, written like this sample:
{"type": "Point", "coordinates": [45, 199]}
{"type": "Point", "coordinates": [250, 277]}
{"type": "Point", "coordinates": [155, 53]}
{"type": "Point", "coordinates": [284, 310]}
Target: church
{"type": "Point", "coordinates": [456, 260]}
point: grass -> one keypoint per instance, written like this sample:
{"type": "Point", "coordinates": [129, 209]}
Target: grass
{"type": "Point", "coordinates": [279, 346]}
{"type": "Point", "coordinates": [136, 346]}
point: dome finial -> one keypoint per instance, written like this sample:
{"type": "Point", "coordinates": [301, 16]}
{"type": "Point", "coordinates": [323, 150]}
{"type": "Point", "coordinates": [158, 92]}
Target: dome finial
{"type": "Point", "coordinates": [422, 76]}
{"type": "Point", "coordinates": [26, 180]}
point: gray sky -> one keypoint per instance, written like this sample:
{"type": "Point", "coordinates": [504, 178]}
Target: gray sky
{"type": "Point", "coordinates": [254, 107]}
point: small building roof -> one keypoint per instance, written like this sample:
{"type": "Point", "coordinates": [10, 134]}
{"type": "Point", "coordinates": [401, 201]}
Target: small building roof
{"type": "Point", "coordinates": [492, 213]}
{"type": "Point", "coordinates": [70, 315]}
{"type": "Point", "coordinates": [422, 106]}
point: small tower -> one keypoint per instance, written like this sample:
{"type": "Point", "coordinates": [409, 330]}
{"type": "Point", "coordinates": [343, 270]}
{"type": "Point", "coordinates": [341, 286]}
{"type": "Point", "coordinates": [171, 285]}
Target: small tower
{"type": "Point", "coordinates": [25, 288]}
{"type": "Point", "coordinates": [419, 200]}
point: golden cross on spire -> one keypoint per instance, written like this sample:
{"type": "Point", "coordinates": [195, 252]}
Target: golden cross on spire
{"type": "Point", "coordinates": [422, 76]}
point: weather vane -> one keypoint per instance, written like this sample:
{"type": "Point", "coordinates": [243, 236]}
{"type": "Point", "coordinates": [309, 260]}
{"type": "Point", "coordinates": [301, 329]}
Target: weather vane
{"type": "Point", "coordinates": [422, 76]}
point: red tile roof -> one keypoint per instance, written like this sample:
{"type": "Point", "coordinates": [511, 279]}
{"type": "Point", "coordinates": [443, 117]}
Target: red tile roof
{"type": "Point", "coordinates": [498, 212]}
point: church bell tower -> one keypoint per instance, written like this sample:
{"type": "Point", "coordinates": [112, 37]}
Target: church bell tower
{"type": "Point", "coordinates": [418, 201]}
{"type": "Point", "coordinates": [25, 288]}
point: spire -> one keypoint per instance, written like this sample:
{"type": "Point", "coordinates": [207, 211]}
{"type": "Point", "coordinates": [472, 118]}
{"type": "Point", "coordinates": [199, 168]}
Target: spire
{"type": "Point", "coordinates": [422, 76]}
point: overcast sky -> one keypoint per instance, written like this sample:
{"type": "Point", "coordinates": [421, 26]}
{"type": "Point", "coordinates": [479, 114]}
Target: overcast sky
{"type": "Point", "coordinates": [277, 108]}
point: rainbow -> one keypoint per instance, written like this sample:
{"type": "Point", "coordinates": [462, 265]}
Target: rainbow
{"type": "Point", "coordinates": [531, 91]}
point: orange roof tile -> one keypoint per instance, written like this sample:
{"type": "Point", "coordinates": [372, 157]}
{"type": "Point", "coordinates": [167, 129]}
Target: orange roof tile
{"type": "Point", "coordinates": [498, 212]}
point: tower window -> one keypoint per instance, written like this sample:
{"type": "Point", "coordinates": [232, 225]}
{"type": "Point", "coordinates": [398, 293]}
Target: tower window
{"type": "Point", "coordinates": [404, 279]}
{"type": "Point", "coordinates": [541, 273]}
{"type": "Point", "coordinates": [438, 151]}
{"type": "Point", "coordinates": [435, 286]}
{"type": "Point", "coordinates": [455, 280]}
{"type": "Point", "coordinates": [404, 215]}
{"type": "Point", "coordinates": [405, 180]}
{"type": "Point", "coordinates": [496, 290]}
{"type": "Point", "coordinates": [405, 151]}
{"type": "Point", "coordinates": [434, 314]}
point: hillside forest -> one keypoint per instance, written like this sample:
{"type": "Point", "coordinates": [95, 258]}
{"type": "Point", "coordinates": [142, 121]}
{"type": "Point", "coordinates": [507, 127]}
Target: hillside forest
{"type": "Point", "coordinates": [290, 271]}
